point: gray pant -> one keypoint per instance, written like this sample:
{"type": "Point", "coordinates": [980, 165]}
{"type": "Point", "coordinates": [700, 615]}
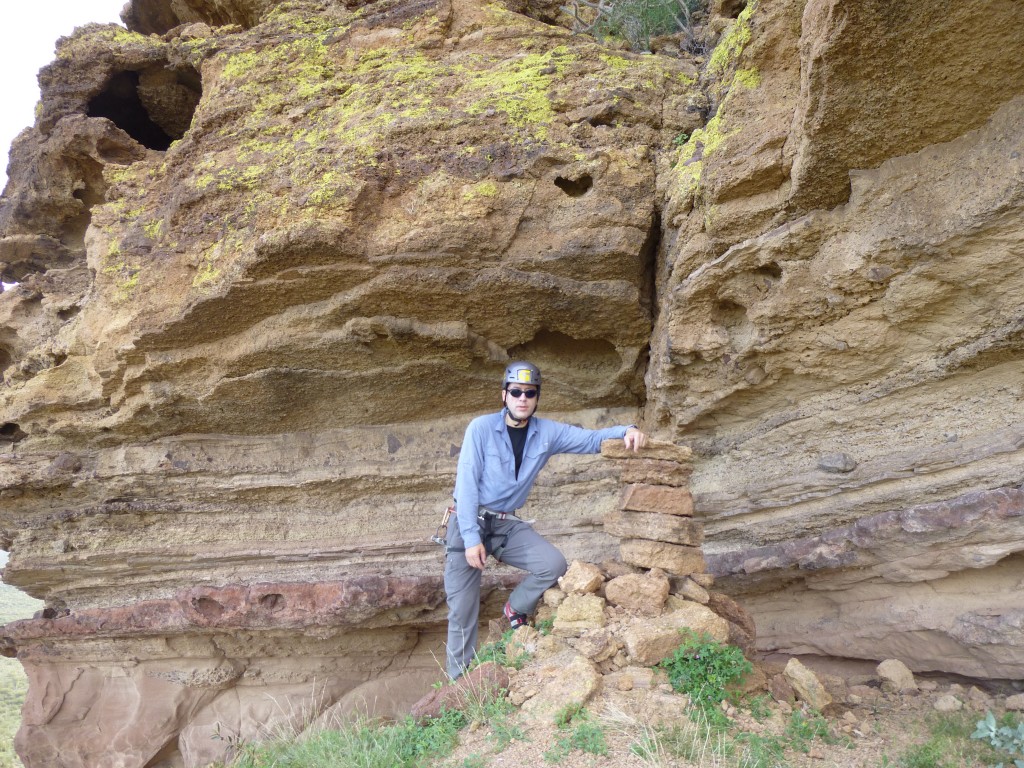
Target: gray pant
{"type": "Point", "coordinates": [523, 548]}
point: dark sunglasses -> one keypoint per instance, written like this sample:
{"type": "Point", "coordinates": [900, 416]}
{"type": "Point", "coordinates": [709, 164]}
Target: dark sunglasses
{"type": "Point", "coordinates": [517, 393]}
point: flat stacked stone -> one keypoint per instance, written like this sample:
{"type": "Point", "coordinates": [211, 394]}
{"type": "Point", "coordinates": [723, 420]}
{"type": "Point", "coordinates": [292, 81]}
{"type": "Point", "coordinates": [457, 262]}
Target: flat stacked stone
{"type": "Point", "coordinates": [654, 521]}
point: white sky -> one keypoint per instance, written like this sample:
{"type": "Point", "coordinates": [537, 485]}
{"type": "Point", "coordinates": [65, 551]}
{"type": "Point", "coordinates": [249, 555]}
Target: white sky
{"type": "Point", "coordinates": [28, 33]}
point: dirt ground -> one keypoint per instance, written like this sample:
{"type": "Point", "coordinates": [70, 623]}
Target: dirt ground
{"type": "Point", "coordinates": [867, 727]}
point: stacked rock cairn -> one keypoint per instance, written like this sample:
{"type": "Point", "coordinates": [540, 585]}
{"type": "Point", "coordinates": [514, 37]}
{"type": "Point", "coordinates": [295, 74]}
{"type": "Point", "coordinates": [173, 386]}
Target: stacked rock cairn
{"type": "Point", "coordinates": [630, 611]}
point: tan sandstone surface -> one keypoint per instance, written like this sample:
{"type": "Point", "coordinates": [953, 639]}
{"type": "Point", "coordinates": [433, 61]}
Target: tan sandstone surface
{"type": "Point", "coordinates": [272, 257]}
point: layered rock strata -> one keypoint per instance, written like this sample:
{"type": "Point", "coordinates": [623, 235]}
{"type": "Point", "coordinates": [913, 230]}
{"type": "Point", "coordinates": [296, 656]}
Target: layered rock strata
{"type": "Point", "coordinates": [839, 335]}
{"type": "Point", "coordinates": [264, 266]}
{"type": "Point", "coordinates": [272, 257]}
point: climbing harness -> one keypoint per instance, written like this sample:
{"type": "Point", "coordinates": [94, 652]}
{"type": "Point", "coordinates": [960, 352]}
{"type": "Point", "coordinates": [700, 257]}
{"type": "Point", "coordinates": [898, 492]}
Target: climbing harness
{"type": "Point", "coordinates": [487, 534]}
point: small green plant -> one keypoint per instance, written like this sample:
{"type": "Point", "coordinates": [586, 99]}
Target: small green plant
{"type": "Point", "coordinates": [927, 755]}
{"type": "Point", "coordinates": [1007, 739]}
{"type": "Point", "coordinates": [545, 626]}
{"type": "Point", "coordinates": [759, 709]}
{"type": "Point", "coordinates": [496, 652]}
{"type": "Point", "coordinates": [802, 729]}
{"type": "Point", "coordinates": [947, 745]}
{"type": "Point", "coordinates": [579, 733]}
{"type": "Point", "coordinates": [705, 669]}
{"type": "Point", "coordinates": [499, 653]}
{"type": "Point", "coordinates": [497, 711]}
{"type": "Point", "coordinates": [679, 139]}
{"type": "Point", "coordinates": [568, 713]}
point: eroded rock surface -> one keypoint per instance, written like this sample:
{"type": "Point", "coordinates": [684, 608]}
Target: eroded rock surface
{"type": "Point", "coordinates": [271, 259]}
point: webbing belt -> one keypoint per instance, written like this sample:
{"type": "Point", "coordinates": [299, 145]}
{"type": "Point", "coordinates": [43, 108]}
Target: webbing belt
{"type": "Point", "coordinates": [487, 518]}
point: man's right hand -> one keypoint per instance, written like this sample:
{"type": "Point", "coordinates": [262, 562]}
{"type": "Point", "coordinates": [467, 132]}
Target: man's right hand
{"type": "Point", "coordinates": [476, 556]}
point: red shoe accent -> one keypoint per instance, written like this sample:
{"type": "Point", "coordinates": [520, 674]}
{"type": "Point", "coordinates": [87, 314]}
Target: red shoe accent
{"type": "Point", "coordinates": [515, 619]}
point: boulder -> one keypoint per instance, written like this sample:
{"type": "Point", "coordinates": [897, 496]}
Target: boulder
{"type": "Point", "coordinates": [651, 641]}
{"type": "Point", "coordinates": [806, 685]}
{"type": "Point", "coordinates": [570, 686]}
{"type": "Point", "coordinates": [643, 593]}
{"type": "Point", "coordinates": [896, 676]}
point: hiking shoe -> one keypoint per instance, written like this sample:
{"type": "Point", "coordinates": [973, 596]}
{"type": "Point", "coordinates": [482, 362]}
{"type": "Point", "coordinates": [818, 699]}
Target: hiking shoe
{"type": "Point", "coordinates": [515, 619]}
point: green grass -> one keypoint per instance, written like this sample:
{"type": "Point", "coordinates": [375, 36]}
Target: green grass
{"type": "Point", "coordinates": [947, 744]}
{"type": "Point", "coordinates": [576, 732]}
{"type": "Point", "coordinates": [498, 652]}
{"type": "Point", "coordinates": [14, 605]}
{"type": "Point", "coordinates": [405, 744]}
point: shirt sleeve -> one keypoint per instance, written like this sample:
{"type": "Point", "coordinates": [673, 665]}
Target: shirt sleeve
{"type": "Point", "coordinates": [570, 439]}
{"type": "Point", "coordinates": [467, 484]}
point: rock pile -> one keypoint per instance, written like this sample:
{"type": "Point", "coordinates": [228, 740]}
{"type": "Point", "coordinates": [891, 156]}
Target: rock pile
{"type": "Point", "coordinates": [601, 631]}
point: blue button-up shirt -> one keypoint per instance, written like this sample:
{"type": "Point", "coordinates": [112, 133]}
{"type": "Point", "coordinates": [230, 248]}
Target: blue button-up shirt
{"type": "Point", "coordinates": [487, 467]}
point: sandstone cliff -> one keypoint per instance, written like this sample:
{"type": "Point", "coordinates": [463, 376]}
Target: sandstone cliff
{"type": "Point", "coordinates": [272, 257]}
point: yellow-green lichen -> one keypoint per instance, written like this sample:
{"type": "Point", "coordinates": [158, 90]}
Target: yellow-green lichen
{"type": "Point", "coordinates": [618, 63]}
{"type": "Point", "coordinates": [729, 48]}
{"type": "Point", "coordinates": [487, 188]}
{"type": "Point", "coordinates": [688, 168]}
{"type": "Point", "coordinates": [519, 87]}
{"type": "Point", "coordinates": [82, 44]}
{"type": "Point", "coordinates": [712, 134]}
{"type": "Point", "coordinates": [206, 275]}
{"type": "Point", "coordinates": [125, 276]}
{"type": "Point", "coordinates": [747, 78]}
{"type": "Point", "coordinates": [153, 229]}
{"type": "Point", "coordinates": [208, 272]}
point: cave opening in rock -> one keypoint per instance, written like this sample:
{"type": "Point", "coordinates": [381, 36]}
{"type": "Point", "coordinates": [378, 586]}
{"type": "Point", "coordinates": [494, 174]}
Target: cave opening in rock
{"type": "Point", "coordinates": [11, 432]}
{"type": "Point", "coordinates": [771, 270]}
{"type": "Point", "coordinates": [155, 107]}
{"type": "Point", "coordinates": [731, 9]}
{"type": "Point", "coordinates": [119, 102]}
{"type": "Point", "coordinates": [575, 187]}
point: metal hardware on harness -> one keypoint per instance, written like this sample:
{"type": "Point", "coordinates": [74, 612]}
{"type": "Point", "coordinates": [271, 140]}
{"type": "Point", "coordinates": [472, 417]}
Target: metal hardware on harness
{"type": "Point", "coordinates": [486, 513]}
{"type": "Point", "coordinates": [490, 513]}
{"type": "Point", "coordinates": [441, 534]}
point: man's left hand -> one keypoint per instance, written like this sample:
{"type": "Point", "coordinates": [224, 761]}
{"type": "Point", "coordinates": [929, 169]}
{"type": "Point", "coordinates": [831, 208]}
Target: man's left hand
{"type": "Point", "coordinates": [634, 439]}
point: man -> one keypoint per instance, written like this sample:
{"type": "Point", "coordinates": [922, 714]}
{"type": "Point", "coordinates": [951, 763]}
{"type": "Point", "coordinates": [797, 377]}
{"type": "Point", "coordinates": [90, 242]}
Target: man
{"type": "Point", "coordinates": [501, 455]}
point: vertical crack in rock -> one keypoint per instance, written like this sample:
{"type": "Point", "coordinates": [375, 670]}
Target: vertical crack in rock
{"type": "Point", "coordinates": [651, 257]}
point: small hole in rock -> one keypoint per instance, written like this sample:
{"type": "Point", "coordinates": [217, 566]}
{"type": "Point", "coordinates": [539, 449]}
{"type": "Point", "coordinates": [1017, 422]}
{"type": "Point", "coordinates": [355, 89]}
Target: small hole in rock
{"type": "Point", "coordinates": [771, 270]}
{"type": "Point", "coordinates": [272, 602]}
{"type": "Point", "coordinates": [575, 187]}
{"type": "Point", "coordinates": [11, 432]}
{"type": "Point", "coordinates": [731, 9]}
{"type": "Point", "coordinates": [209, 608]}
{"type": "Point", "coordinates": [119, 102]}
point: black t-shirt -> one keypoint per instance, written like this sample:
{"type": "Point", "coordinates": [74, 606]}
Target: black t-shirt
{"type": "Point", "coordinates": [518, 437]}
